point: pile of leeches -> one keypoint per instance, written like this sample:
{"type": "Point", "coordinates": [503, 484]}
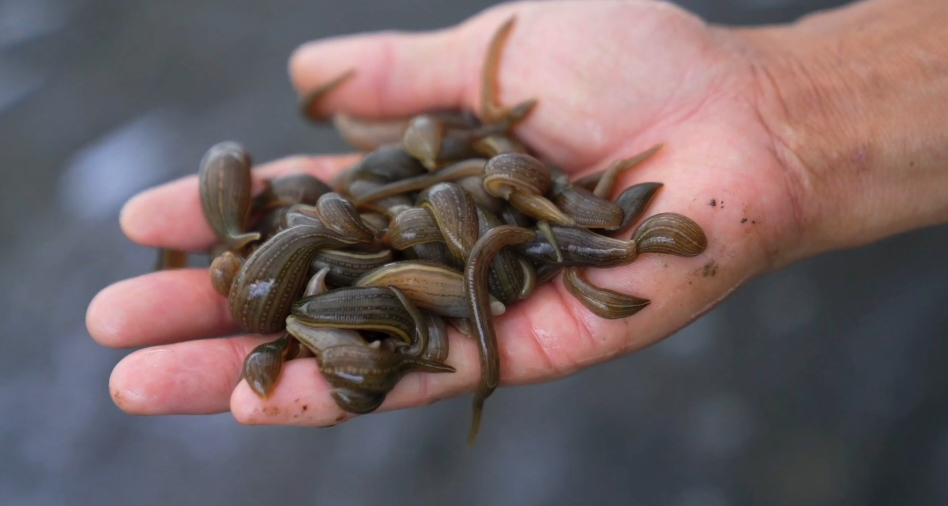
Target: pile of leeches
{"type": "Point", "coordinates": [447, 219]}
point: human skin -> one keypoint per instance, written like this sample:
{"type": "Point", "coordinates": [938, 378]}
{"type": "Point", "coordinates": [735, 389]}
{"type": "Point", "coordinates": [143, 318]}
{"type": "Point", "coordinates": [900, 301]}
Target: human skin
{"type": "Point", "coordinates": [816, 136]}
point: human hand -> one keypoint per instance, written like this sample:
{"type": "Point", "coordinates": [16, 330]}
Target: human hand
{"type": "Point", "coordinates": [612, 79]}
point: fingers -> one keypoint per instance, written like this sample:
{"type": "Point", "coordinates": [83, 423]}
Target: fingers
{"type": "Point", "coordinates": [199, 376]}
{"type": "Point", "coordinates": [159, 308]}
{"type": "Point", "coordinates": [170, 215]}
{"type": "Point", "coordinates": [397, 73]}
{"type": "Point", "coordinates": [190, 378]}
{"type": "Point", "coordinates": [544, 337]}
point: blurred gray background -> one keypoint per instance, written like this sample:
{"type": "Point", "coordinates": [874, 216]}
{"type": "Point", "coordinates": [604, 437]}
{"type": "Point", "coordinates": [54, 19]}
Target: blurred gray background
{"type": "Point", "coordinates": [823, 384]}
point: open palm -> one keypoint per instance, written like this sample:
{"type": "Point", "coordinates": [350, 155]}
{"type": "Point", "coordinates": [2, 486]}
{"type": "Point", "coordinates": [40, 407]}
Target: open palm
{"type": "Point", "coordinates": [612, 79]}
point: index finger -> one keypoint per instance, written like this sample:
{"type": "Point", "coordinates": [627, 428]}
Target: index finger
{"type": "Point", "coordinates": [170, 215]}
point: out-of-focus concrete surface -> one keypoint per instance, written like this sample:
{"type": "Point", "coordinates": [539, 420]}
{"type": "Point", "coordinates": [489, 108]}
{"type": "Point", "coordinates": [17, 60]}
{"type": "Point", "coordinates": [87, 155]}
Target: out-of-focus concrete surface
{"type": "Point", "coordinates": [823, 384]}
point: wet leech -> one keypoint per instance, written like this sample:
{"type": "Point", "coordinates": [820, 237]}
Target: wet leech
{"type": "Point", "coordinates": [459, 170]}
{"type": "Point", "coordinates": [224, 180]}
{"type": "Point", "coordinates": [456, 214]}
{"type": "Point", "coordinates": [432, 287]}
{"type": "Point", "coordinates": [490, 110]}
{"type": "Point", "coordinates": [271, 279]}
{"type": "Point", "coordinates": [633, 201]}
{"type": "Point", "coordinates": [475, 284]}
{"type": "Point", "coordinates": [347, 266]}
{"type": "Point", "coordinates": [605, 303]}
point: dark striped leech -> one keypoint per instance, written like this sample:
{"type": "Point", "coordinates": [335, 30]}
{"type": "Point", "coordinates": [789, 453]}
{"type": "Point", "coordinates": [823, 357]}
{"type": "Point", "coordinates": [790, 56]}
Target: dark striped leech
{"type": "Point", "coordinates": [375, 308]}
{"type": "Point", "coordinates": [362, 374]}
{"type": "Point", "coordinates": [670, 233]}
{"type": "Point", "coordinates": [263, 365]}
{"type": "Point", "coordinates": [456, 215]}
{"type": "Point", "coordinates": [633, 201]}
{"type": "Point", "coordinates": [272, 278]}
{"type": "Point", "coordinates": [347, 266]}
{"type": "Point", "coordinates": [523, 181]}
{"type": "Point", "coordinates": [224, 181]}
{"type": "Point", "coordinates": [387, 206]}
{"type": "Point", "coordinates": [476, 286]}
{"type": "Point", "coordinates": [510, 277]}
{"type": "Point", "coordinates": [223, 270]}
{"type": "Point", "coordinates": [413, 226]}
{"type": "Point", "coordinates": [437, 338]}
{"type": "Point", "coordinates": [459, 170]}
{"type": "Point", "coordinates": [388, 314]}
{"type": "Point", "coordinates": [385, 165]}
{"type": "Point", "coordinates": [436, 252]}
{"type": "Point", "coordinates": [432, 287]}
{"type": "Point", "coordinates": [278, 196]}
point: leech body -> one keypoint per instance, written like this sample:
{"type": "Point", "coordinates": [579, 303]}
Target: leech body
{"type": "Point", "coordinates": [224, 181]}
{"type": "Point", "coordinates": [475, 284]}
{"type": "Point", "coordinates": [433, 287]}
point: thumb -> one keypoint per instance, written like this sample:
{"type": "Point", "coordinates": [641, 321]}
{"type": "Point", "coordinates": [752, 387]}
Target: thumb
{"type": "Point", "coordinates": [397, 73]}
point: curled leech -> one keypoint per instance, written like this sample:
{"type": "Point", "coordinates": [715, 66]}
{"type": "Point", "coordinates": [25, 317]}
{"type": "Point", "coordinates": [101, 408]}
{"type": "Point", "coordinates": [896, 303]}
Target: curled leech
{"type": "Point", "coordinates": [523, 181]}
{"type": "Point", "coordinates": [670, 233]}
{"type": "Point", "coordinates": [223, 270]}
{"type": "Point", "coordinates": [263, 365]}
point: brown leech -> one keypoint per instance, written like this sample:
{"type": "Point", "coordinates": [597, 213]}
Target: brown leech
{"type": "Point", "coordinates": [456, 215]}
{"type": "Point", "coordinates": [605, 303]}
{"type": "Point", "coordinates": [273, 276]}
{"type": "Point", "coordinates": [432, 287]}
{"type": "Point", "coordinates": [345, 266]}
{"type": "Point", "coordinates": [454, 172]}
{"type": "Point", "coordinates": [475, 284]}
{"type": "Point", "coordinates": [224, 181]}
{"type": "Point", "coordinates": [670, 233]}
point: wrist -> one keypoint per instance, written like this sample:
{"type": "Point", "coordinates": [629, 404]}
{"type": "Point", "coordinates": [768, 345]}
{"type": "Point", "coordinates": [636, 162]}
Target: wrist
{"type": "Point", "coordinates": [856, 101]}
